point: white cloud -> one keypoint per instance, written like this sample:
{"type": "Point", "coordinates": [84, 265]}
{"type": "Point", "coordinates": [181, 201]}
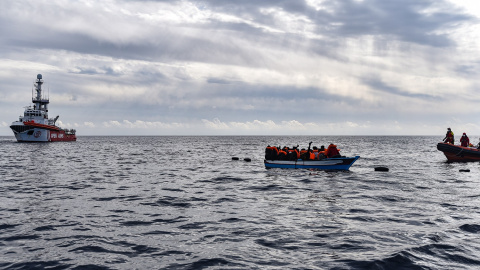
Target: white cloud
{"type": "Point", "coordinates": [89, 124]}
{"type": "Point", "coordinates": [284, 127]}
{"type": "Point", "coordinates": [112, 123]}
{"type": "Point", "coordinates": [215, 124]}
{"type": "Point", "coordinates": [139, 124]}
{"type": "Point", "coordinates": [351, 124]}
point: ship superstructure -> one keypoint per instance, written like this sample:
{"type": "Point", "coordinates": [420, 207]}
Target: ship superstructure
{"type": "Point", "coordinates": [35, 126]}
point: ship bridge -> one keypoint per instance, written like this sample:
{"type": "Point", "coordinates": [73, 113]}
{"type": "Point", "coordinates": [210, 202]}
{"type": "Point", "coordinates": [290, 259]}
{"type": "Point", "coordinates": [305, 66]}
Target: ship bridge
{"type": "Point", "coordinates": [40, 100]}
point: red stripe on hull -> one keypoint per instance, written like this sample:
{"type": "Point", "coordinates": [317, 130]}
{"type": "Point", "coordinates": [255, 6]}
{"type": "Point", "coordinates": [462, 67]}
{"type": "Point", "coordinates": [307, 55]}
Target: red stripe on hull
{"type": "Point", "coordinates": [61, 136]}
{"type": "Point", "coordinates": [460, 158]}
{"type": "Point", "coordinates": [33, 124]}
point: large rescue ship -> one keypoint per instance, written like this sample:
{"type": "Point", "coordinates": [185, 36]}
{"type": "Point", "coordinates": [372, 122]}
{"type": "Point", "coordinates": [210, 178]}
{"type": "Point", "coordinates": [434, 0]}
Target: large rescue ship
{"type": "Point", "coordinates": [35, 126]}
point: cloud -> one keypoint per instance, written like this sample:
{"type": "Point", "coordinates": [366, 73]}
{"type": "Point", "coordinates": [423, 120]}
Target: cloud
{"type": "Point", "coordinates": [283, 126]}
{"type": "Point", "coordinates": [139, 124]}
{"type": "Point", "coordinates": [215, 124]}
{"type": "Point", "coordinates": [187, 31]}
{"type": "Point", "coordinates": [410, 21]}
{"type": "Point", "coordinates": [112, 123]}
{"type": "Point", "coordinates": [89, 124]}
{"type": "Point", "coordinates": [261, 66]}
{"type": "Point", "coordinates": [217, 81]}
{"type": "Point", "coordinates": [379, 85]}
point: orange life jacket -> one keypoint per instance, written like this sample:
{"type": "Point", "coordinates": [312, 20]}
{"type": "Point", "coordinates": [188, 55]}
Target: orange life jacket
{"type": "Point", "coordinates": [320, 154]}
{"type": "Point", "coordinates": [273, 148]}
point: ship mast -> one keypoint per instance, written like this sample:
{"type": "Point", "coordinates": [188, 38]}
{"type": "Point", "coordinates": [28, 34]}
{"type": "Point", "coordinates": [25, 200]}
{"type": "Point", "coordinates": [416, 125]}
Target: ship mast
{"type": "Point", "coordinates": [41, 103]}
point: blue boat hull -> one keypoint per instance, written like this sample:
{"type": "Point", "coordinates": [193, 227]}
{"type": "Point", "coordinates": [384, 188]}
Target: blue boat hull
{"type": "Point", "coordinates": [341, 163]}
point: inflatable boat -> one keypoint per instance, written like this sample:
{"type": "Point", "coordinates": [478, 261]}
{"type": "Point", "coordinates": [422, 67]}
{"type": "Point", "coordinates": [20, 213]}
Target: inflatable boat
{"type": "Point", "coordinates": [457, 153]}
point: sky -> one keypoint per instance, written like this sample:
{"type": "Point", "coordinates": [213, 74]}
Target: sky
{"type": "Point", "coordinates": [216, 67]}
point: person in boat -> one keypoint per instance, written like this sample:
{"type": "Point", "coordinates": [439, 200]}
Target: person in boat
{"type": "Point", "coordinates": [307, 154]}
{"type": "Point", "coordinates": [449, 137]}
{"type": "Point", "coordinates": [464, 140]}
{"type": "Point", "coordinates": [271, 152]}
{"type": "Point", "coordinates": [282, 155]}
{"type": "Point", "coordinates": [293, 154]}
{"type": "Point", "coordinates": [315, 152]}
{"type": "Point", "coordinates": [332, 151]}
{"type": "Point", "coordinates": [321, 153]}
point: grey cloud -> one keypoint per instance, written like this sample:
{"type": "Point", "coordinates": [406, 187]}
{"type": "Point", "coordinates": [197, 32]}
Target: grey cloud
{"type": "Point", "coordinates": [401, 20]}
{"type": "Point", "coordinates": [468, 69]}
{"type": "Point", "coordinates": [87, 71]}
{"type": "Point", "coordinates": [105, 70]}
{"type": "Point", "coordinates": [273, 93]}
{"type": "Point", "coordinates": [161, 46]}
{"type": "Point", "coordinates": [217, 81]}
{"type": "Point", "coordinates": [384, 87]}
{"type": "Point", "coordinates": [404, 20]}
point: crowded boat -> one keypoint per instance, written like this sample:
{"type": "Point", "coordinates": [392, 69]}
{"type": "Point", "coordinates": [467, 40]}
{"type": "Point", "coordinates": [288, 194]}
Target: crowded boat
{"type": "Point", "coordinates": [311, 158]}
{"type": "Point", "coordinates": [293, 153]}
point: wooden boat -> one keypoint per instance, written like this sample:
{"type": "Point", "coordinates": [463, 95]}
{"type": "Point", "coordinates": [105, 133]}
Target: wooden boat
{"type": "Point", "coordinates": [338, 163]}
{"type": "Point", "coordinates": [457, 153]}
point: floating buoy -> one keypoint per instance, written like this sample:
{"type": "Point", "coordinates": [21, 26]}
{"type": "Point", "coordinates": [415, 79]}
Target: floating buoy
{"type": "Point", "coordinates": [235, 158]}
{"type": "Point", "coordinates": [247, 159]}
{"type": "Point", "coordinates": [381, 169]}
{"type": "Point", "coordinates": [464, 170]}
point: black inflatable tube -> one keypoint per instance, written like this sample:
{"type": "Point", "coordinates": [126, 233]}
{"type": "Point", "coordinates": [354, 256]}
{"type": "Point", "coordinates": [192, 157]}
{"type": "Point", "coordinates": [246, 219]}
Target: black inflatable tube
{"type": "Point", "coordinates": [381, 169]}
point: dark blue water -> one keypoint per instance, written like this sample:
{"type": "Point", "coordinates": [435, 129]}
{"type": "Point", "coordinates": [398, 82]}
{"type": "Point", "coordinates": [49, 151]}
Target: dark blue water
{"type": "Point", "coordinates": [183, 203]}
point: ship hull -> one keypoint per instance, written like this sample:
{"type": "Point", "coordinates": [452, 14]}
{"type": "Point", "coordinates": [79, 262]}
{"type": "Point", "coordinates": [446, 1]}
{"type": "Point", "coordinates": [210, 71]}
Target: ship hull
{"type": "Point", "coordinates": [342, 163]}
{"type": "Point", "coordinates": [44, 135]}
{"type": "Point", "coordinates": [457, 153]}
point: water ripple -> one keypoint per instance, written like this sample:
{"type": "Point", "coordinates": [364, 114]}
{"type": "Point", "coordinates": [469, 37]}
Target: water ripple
{"type": "Point", "coordinates": [174, 203]}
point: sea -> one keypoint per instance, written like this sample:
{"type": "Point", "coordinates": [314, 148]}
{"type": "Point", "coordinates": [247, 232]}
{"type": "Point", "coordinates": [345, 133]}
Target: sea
{"type": "Point", "coordinates": [181, 202]}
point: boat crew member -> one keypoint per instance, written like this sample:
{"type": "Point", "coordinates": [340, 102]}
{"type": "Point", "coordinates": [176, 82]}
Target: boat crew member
{"type": "Point", "coordinates": [449, 137]}
{"type": "Point", "coordinates": [464, 141]}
